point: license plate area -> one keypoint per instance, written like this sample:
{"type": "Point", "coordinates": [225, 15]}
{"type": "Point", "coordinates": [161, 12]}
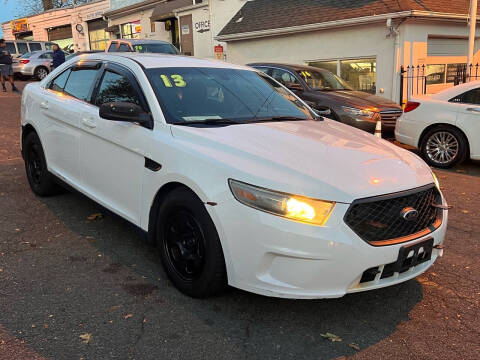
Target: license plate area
{"type": "Point", "coordinates": [413, 255]}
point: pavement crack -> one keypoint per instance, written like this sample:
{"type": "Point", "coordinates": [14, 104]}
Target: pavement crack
{"type": "Point", "coordinates": [141, 333]}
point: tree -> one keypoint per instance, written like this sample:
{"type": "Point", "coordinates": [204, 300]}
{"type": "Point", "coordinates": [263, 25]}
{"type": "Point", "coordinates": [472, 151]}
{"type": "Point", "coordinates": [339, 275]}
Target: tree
{"type": "Point", "coordinates": [31, 7]}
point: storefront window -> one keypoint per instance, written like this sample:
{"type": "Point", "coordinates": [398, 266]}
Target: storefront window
{"type": "Point", "coordinates": [435, 74]}
{"type": "Point", "coordinates": [359, 73]}
{"type": "Point", "coordinates": [98, 39]}
{"type": "Point", "coordinates": [327, 65]}
{"type": "Point", "coordinates": [131, 30]}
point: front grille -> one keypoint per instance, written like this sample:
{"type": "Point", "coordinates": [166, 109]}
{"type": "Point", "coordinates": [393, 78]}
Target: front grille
{"type": "Point", "coordinates": [389, 117]}
{"type": "Point", "coordinates": [379, 219]}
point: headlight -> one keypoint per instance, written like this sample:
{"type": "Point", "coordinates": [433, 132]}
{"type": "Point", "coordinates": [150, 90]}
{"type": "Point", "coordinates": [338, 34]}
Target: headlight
{"type": "Point", "coordinates": [293, 207]}
{"type": "Point", "coordinates": [368, 113]}
{"type": "Point", "coordinates": [435, 180]}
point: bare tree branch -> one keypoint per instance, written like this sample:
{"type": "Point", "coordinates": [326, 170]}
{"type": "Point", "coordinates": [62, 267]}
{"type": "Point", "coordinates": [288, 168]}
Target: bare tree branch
{"type": "Point", "coordinates": [32, 7]}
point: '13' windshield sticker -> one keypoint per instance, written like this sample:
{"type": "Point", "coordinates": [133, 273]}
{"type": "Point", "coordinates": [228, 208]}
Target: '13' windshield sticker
{"type": "Point", "coordinates": [306, 74]}
{"type": "Point", "coordinates": [177, 81]}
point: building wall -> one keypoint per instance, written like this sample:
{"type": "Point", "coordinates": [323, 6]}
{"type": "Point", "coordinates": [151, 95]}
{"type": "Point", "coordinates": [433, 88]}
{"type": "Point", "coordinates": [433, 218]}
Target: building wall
{"type": "Point", "coordinates": [414, 44]}
{"type": "Point", "coordinates": [366, 41]}
{"type": "Point", "coordinates": [202, 41]}
{"type": "Point", "coordinates": [144, 17]}
{"type": "Point", "coordinates": [117, 4]}
{"type": "Point", "coordinates": [39, 24]}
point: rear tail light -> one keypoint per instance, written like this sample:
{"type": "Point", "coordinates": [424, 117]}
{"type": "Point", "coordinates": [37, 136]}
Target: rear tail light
{"type": "Point", "coordinates": [410, 106]}
{"type": "Point", "coordinates": [24, 61]}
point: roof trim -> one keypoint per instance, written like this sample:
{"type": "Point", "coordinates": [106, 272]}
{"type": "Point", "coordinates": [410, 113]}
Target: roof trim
{"type": "Point", "coordinates": [339, 23]}
{"type": "Point", "coordinates": [144, 5]}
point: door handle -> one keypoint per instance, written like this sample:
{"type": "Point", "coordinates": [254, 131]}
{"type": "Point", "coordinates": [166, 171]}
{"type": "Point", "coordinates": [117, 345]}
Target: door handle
{"type": "Point", "coordinates": [44, 105]}
{"type": "Point", "coordinates": [474, 109]}
{"type": "Point", "coordinates": [89, 123]}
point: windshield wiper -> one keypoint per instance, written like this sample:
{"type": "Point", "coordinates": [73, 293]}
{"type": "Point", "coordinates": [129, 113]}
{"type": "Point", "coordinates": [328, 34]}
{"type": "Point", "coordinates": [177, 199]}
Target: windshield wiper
{"type": "Point", "coordinates": [276, 119]}
{"type": "Point", "coordinates": [218, 122]}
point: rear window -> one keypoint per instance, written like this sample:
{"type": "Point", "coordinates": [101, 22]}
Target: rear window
{"type": "Point", "coordinates": [27, 55]}
{"type": "Point", "coordinates": [124, 48]}
{"type": "Point", "coordinates": [155, 48]}
{"type": "Point", "coordinates": [22, 48]}
{"type": "Point", "coordinates": [35, 46]}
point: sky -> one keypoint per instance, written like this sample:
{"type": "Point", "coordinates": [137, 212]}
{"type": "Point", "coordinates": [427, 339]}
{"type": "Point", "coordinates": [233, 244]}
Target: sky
{"type": "Point", "coordinates": [7, 11]}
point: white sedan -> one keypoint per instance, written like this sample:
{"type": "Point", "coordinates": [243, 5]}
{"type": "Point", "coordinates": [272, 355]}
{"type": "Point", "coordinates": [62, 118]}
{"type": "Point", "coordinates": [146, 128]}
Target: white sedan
{"type": "Point", "coordinates": [444, 126]}
{"type": "Point", "coordinates": [232, 176]}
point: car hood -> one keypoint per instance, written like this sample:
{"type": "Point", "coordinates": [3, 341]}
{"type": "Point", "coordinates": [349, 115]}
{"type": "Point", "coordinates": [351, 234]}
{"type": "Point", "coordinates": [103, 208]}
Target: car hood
{"type": "Point", "coordinates": [360, 98]}
{"type": "Point", "coordinates": [319, 159]}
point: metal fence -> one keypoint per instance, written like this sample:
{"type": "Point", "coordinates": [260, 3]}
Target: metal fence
{"type": "Point", "coordinates": [414, 79]}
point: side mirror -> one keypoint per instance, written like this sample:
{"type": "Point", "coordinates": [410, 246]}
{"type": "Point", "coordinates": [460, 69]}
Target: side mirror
{"type": "Point", "coordinates": [324, 112]}
{"type": "Point", "coordinates": [294, 86]}
{"type": "Point", "coordinates": [122, 111]}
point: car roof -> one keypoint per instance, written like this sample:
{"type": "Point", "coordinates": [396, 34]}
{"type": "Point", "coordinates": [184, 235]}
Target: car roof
{"type": "Point", "coordinates": [142, 41]}
{"type": "Point", "coordinates": [453, 91]}
{"type": "Point", "coordinates": [294, 67]}
{"type": "Point", "coordinates": [148, 60]}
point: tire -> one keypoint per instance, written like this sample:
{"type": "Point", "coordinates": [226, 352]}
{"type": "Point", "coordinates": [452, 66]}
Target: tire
{"type": "Point", "coordinates": [41, 181]}
{"type": "Point", "coordinates": [444, 147]}
{"type": "Point", "coordinates": [40, 73]}
{"type": "Point", "coordinates": [189, 245]}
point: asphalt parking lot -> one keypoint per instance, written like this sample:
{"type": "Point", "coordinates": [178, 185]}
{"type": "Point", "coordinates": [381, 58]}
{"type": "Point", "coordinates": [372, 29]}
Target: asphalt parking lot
{"type": "Point", "coordinates": [77, 286]}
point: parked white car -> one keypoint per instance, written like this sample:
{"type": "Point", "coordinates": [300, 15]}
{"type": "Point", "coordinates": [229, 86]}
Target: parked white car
{"type": "Point", "coordinates": [444, 126]}
{"type": "Point", "coordinates": [232, 176]}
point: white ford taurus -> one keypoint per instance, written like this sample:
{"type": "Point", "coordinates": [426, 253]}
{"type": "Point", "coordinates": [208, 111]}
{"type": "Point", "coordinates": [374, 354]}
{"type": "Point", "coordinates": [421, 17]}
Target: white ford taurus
{"type": "Point", "coordinates": [234, 178]}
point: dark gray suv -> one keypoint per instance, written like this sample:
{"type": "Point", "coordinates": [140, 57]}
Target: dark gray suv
{"type": "Point", "coordinates": [323, 90]}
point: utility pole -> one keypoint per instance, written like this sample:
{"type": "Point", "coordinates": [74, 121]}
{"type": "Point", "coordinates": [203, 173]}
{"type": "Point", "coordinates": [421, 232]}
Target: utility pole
{"type": "Point", "coordinates": [471, 38]}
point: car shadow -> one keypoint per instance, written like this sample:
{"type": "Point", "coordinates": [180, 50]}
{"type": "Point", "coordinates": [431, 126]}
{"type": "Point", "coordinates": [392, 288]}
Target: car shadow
{"type": "Point", "coordinates": [235, 324]}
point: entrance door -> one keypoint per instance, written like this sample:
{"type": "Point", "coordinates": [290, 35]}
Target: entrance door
{"type": "Point", "coordinates": [186, 31]}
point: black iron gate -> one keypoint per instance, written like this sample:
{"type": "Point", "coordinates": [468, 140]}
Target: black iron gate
{"type": "Point", "coordinates": [414, 79]}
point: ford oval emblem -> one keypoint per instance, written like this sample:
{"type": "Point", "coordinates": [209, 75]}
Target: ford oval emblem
{"type": "Point", "coordinates": [409, 214]}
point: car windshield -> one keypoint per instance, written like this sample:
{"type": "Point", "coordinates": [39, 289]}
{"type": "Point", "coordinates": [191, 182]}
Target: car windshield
{"type": "Point", "coordinates": [156, 48]}
{"type": "Point", "coordinates": [209, 95]}
{"type": "Point", "coordinates": [323, 80]}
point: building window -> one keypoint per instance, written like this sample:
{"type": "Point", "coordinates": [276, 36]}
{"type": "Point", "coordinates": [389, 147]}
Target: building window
{"type": "Point", "coordinates": [131, 30]}
{"type": "Point", "coordinates": [97, 34]}
{"type": "Point", "coordinates": [359, 73]}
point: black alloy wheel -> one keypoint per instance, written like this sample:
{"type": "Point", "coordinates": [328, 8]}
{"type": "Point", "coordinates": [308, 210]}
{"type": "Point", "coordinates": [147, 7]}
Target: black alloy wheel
{"type": "Point", "coordinates": [41, 181]}
{"type": "Point", "coordinates": [184, 244]}
{"type": "Point", "coordinates": [189, 245]}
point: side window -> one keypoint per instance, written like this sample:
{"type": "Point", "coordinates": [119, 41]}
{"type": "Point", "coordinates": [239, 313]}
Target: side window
{"type": "Point", "coordinates": [10, 47]}
{"type": "Point", "coordinates": [80, 83]}
{"type": "Point", "coordinates": [47, 55]}
{"type": "Point", "coordinates": [112, 47]}
{"type": "Point", "coordinates": [22, 48]}
{"type": "Point", "coordinates": [265, 70]}
{"type": "Point", "coordinates": [284, 77]}
{"type": "Point", "coordinates": [124, 48]}
{"type": "Point", "coordinates": [49, 46]}
{"type": "Point", "coordinates": [59, 82]}
{"type": "Point", "coordinates": [470, 97]}
{"type": "Point", "coordinates": [116, 88]}
{"type": "Point", "coordinates": [35, 46]}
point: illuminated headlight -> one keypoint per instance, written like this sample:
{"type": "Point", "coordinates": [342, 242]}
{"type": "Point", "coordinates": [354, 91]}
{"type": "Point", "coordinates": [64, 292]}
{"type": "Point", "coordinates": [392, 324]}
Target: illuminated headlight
{"type": "Point", "coordinates": [435, 180]}
{"type": "Point", "coordinates": [359, 112]}
{"type": "Point", "coordinates": [290, 206]}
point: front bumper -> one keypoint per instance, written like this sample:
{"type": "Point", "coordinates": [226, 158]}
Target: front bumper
{"type": "Point", "coordinates": [273, 256]}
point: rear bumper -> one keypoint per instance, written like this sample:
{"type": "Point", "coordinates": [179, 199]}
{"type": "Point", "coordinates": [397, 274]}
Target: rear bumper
{"type": "Point", "coordinates": [23, 69]}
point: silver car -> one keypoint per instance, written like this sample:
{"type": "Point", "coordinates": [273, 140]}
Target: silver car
{"type": "Point", "coordinates": [36, 63]}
